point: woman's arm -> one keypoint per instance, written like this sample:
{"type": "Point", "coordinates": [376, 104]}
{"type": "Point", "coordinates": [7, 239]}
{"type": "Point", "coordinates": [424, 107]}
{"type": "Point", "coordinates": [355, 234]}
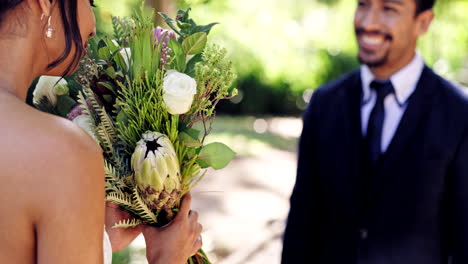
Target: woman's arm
{"type": "Point", "coordinates": [69, 228]}
{"type": "Point", "coordinates": [120, 237]}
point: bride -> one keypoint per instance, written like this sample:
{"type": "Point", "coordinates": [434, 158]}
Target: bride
{"type": "Point", "coordinates": [52, 184]}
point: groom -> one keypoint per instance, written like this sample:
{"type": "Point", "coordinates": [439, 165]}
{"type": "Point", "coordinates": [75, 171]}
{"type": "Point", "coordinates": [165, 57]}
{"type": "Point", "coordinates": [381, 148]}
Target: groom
{"type": "Point", "coordinates": [383, 159]}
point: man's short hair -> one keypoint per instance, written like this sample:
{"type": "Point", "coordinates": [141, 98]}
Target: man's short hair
{"type": "Point", "coordinates": [423, 5]}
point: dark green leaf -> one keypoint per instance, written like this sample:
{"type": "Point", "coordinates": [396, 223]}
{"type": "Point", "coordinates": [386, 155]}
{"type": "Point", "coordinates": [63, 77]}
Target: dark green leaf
{"type": "Point", "coordinates": [206, 28]}
{"type": "Point", "coordinates": [190, 70]}
{"type": "Point", "coordinates": [107, 85]}
{"type": "Point", "coordinates": [108, 98]}
{"type": "Point", "coordinates": [178, 62]}
{"type": "Point", "coordinates": [170, 22]}
{"type": "Point", "coordinates": [122, 118]}
{"type": "Point", "coordinates": [64, 105]}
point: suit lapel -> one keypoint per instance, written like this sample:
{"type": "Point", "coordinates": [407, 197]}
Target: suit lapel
{"type": "Point", "coordinates": [351, 112]}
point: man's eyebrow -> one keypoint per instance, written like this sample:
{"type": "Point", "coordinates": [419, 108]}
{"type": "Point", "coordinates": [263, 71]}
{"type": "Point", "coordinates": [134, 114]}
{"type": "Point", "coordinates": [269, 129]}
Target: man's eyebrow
{"type": "Point", "coordinates": [400, 2]}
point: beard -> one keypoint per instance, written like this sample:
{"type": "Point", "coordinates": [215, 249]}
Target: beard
{"type": "Point", "coordinates": [378, 61]}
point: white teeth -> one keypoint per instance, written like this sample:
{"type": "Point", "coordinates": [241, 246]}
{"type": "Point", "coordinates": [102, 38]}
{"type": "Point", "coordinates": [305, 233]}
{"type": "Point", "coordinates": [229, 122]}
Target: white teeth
{"type": "Point", "coordinates": [372, 40]}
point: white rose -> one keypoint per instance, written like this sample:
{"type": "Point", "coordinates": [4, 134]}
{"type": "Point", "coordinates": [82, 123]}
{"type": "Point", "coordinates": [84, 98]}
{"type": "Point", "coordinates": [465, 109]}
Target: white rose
{"type": "Point", "coordinates": [178, 92]}
{"type": "Point", "coordinates": [45, 87]}
{"type": "Point", "coordinates": [84, 122]}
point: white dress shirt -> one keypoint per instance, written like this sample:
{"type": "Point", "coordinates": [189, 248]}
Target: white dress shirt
{"type": "Point", "coordinates": [404, 82]}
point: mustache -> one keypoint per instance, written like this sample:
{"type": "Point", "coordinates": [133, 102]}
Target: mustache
{"type": "Point", "coordinates": [361, 30]}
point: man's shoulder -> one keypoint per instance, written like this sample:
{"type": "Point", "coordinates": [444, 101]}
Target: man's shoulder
{"type": "Point", "coordinates": [340, 84]}
{"type": "Point", "coordinates": [453, 94]}
{"type": "Point", "coordinates": [332, 94]}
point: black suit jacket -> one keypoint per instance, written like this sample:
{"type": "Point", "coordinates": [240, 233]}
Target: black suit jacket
{"type": "Point", "coordinates": [416, 209]}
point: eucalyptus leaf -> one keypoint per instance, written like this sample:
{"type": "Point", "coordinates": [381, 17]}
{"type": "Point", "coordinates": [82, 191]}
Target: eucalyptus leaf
{"type": "Point", "coordinates": [203, 164]}
{"type": "Point", "coordinates": [194, 133]}
{"type": "Point", "coordinates": [104, 53]}
{"type": "Point", "coordinates": [216, 155]}
{"type": "Point", "coordinates": [111, 72]}
{"type": "Point", "coordinates": [189, 141]}
{"type": "Point", "coordinates": [191, 153]}
{"type": "Point", "coordinates": [195, 43]}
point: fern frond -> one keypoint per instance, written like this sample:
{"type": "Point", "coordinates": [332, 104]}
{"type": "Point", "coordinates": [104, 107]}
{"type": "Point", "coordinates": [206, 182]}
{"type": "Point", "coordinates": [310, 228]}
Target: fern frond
{"type": "Point", "coordinates": [120, 198]}
{"type": "Point", "coordinates": [110, 171]}
{"type": "Point", "coordinates": [108, 125]}
{"type": "Point", "coordinates": [92, 106]}
{"type": "Point", "coordinates": [128, 223]}
{"type": "Point", "coordinates": [114, 182]}
{"type": "Point", "coordinates": [105, 140]}
{"type": "Point", "coordinates": [142, 209]}
{"type": "Point", "coordinates": [129, 181]}
{"type": "Point", "coordinates": [86, 109]}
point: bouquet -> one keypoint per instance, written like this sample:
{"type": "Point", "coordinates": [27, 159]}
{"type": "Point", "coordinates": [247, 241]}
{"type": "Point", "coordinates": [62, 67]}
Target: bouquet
{"type": "Point", "coordinates": [147, 96]}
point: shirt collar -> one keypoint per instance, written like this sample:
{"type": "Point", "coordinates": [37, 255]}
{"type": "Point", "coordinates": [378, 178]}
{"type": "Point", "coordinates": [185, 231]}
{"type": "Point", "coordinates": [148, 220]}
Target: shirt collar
{"type": "Point", "coordinates": [404, 81]}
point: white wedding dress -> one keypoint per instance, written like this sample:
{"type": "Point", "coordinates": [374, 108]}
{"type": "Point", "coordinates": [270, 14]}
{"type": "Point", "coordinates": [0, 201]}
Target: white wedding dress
{"type": "Point", "coordinates": [107, 249]}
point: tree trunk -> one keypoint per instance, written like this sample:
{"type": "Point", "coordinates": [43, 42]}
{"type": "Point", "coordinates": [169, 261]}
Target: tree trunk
{"type": "Point", "coordinates": [166, 6]}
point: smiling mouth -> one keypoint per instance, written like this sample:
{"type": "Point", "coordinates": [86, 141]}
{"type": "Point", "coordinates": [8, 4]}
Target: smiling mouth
{"type": "Point", "coordinates": [372, 42]}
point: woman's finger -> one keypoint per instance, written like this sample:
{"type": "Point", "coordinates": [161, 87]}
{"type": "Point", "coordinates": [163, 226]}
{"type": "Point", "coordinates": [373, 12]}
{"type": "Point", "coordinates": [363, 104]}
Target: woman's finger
{"type": "Point", "coordinates": [193, 216]}
{"type": "Point", "coordinates": [184, 207]}
{"type": "Point", "coordinates": [197, 245]}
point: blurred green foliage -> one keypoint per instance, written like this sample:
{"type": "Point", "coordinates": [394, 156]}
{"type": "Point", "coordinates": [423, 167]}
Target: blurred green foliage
{"type": "Point", "coordinates": [283, 50]}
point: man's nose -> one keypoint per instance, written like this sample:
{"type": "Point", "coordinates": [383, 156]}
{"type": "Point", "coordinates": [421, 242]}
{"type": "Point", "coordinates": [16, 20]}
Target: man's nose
{"type": "Point", "coordinates": [371, 20]}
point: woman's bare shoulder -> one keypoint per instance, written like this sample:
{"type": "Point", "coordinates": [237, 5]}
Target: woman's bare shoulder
{"type": "Point", "coordinates": [47, 155]}
{"type": "Point", "coordinates": [44, 135]}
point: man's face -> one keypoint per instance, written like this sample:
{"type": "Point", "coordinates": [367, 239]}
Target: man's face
{"type": "Point", "coordinates": [386, 31]}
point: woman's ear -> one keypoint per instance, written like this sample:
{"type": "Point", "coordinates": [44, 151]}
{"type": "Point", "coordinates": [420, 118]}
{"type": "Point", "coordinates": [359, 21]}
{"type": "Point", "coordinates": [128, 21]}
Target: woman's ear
{"type": "Point", "coordinates": [46, 7]}
{"type": "Point", "coordinates": [425, 20]}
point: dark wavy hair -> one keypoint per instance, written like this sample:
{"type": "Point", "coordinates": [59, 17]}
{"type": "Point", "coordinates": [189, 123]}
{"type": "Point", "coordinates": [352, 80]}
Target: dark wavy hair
{"type": "Point", "coordinates": [68, 12]}
{"type": "Point", "coordinates": [423, 5]}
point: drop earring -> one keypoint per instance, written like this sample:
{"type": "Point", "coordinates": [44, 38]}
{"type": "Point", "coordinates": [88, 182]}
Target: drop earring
{"type": "Point", "coordinates": [49, 32]}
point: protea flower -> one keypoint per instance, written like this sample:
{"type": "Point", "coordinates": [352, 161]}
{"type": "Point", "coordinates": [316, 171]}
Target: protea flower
{"type": "Point", "coordinates": [157, 171]}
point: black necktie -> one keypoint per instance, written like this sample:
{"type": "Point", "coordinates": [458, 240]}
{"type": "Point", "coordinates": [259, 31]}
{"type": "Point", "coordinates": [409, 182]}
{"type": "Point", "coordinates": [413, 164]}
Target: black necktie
{"type": "Point", "coordinates": [376, 119]}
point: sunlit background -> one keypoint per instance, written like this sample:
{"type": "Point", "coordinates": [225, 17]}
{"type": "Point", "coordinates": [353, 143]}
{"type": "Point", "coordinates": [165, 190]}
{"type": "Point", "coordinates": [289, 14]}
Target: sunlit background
{"type": "Point", "coordinates": [282, 51]}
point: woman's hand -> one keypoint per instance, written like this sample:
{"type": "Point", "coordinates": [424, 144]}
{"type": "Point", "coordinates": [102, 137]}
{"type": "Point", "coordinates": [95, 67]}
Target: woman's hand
{"type": "Point", "coordinates": [120, 237]}
{"type": "Point", "coordinates": [177, 241]}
